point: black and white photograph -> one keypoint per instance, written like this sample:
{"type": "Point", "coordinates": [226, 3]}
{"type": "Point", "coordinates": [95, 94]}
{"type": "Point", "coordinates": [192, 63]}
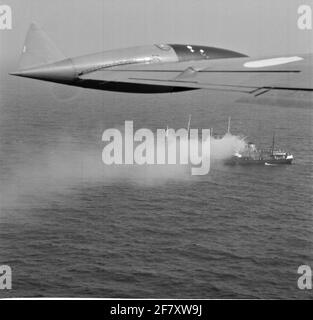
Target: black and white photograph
{"type": "Point", "coordinates": [155, 149]}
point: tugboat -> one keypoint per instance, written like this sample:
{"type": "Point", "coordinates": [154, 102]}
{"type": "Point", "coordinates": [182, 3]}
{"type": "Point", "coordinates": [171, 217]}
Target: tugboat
{"type": "Point", "coordinates": [252, 156]}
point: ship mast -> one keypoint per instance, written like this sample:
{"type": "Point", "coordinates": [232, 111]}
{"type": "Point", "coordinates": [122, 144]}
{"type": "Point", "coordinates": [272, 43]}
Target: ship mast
{"type": "Point", "coordinates": [188, 126]}
{"type": "Point", "coordinates": [166, 132]}
{"type": "Point", "coordinates": [228, 126]}
{"type": "Point", "coordinates": [273, 143]}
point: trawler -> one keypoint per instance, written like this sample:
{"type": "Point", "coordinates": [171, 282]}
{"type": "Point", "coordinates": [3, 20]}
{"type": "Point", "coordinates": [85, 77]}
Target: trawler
{"type": "Point", "coordinates": [253, 156]}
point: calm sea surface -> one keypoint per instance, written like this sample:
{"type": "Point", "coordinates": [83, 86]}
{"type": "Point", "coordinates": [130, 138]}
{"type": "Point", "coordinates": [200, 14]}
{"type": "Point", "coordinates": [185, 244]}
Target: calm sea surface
{"type": "Point", "coordinates": [68, 229]}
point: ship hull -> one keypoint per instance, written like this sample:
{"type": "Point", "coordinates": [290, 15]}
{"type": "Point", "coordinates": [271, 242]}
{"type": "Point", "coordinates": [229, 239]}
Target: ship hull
{"type": "Point", "coordinates": [239, 161]}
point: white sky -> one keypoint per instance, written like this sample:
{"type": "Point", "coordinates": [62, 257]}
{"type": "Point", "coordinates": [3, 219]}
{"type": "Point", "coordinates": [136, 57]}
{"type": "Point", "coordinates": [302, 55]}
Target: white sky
{"type": "Point", "coordinates": [254, 27]}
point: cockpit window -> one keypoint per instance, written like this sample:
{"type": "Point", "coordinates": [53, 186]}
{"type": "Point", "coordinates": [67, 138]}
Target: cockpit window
{"type": "Point", "coordinates": [195, 52]}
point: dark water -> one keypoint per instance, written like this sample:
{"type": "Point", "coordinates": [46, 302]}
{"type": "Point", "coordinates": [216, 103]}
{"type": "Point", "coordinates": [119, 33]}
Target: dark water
{"type": "Point", "coordinates": [66, 230]}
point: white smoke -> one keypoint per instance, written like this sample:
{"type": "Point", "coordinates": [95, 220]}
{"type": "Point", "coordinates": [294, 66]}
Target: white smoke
{"type": "Point", "coordinates": [67, 166]}
{"type": "Point", "coordinates": [226, 146]}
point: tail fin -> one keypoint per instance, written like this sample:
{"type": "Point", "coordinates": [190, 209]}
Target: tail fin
{"type": "Point", "coordinates": [38, 49]}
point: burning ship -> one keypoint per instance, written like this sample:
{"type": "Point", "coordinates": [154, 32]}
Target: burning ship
{"type": "Point", "coordinates": [253, 156]}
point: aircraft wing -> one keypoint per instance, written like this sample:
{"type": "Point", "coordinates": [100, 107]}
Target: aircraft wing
{"type": "Point", "coordinates": [244, 75]}
{"type": "Point", "coordinates": [165, 68]}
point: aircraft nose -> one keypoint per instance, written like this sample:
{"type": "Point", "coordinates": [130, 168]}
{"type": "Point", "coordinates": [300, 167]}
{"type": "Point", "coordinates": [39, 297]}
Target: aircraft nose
{"type": "Point", "coordinates": [62, 71]}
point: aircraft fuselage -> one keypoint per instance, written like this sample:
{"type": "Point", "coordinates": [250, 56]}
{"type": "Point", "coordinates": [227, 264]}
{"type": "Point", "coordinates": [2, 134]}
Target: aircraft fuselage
{"type": "Point", "coordinates": [85, 71]}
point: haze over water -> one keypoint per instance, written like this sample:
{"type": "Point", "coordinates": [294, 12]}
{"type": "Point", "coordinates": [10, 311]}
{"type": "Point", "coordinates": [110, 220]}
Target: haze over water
{"type": "Point", "coordinates": [69, 230]}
